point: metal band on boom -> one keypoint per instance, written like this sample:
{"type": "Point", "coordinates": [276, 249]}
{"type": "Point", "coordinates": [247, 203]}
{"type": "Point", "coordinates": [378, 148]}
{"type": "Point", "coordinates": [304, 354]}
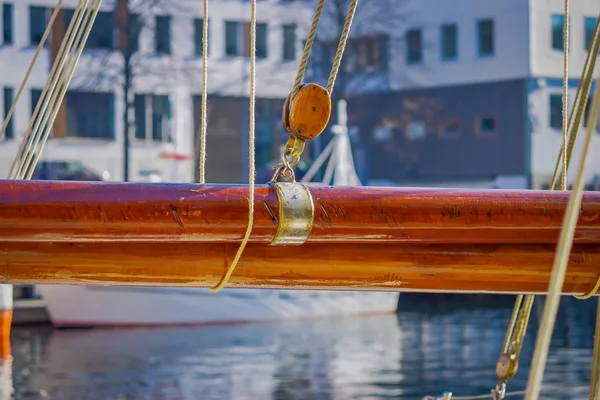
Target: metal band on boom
{"type": "Point", "coordinates": [296, 213]}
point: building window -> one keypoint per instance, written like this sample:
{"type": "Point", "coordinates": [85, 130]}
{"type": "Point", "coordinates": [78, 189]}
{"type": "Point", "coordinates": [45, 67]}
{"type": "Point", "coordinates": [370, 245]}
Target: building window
{"type": "Point", "coordinates": [231, 38]}
{"type": "Point", "coordinates": [7, 23]}
{"type": "Point", "coordinates": [264, 132]}
{"type": "Point", "coordinates": [289, 42]}
{"type": "Point", "coordinates": [449, 42]}
{"type": "Point", "coordinates": [556, 111]}
{"type": "Point", "coordinates": [90, 115]}
{"type": "Point", "coordinates": [485, 36]}
{"type": "Point", "coordinates": [586, 115]}
{"type": "Point", "coordinates": [38, 19]}
{"type": "Point", "coordinates": [558, 25]}
{"type": "Point", "coordinates": [262, 43]}
{"type": "Point", "coordinates": [414, 49]}
{"type": "Point", "coordinates": [9, 96]}
{"type": "Point", "coordinates": [590, 27]}
{"type": "Point", "coordinates": [363, 54]}
{"type": "Point", "coordinates": [133, 32]}
{"type": "Point", "coordinates": [486, 126]}
{"type": "Point", "coordinates": [102, 34]}
{"type": "Point", "coordinates": [450, 128]}
{"type": "Point", "coordinates": [162, 35]}
{"type": "Point", "coordinates": [152, 117]}
{"type": "Point", "coordinates": [199, 36]}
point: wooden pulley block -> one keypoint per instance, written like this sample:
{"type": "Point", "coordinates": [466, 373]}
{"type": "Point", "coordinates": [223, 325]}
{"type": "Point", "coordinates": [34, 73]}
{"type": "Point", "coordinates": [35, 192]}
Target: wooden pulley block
{"type": "Point", "coordinates": [307, 113]}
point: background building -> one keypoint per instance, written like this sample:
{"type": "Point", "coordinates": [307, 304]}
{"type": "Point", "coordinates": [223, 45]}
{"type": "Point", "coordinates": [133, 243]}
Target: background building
{"type": "Point", "coordinates": [166, 69]}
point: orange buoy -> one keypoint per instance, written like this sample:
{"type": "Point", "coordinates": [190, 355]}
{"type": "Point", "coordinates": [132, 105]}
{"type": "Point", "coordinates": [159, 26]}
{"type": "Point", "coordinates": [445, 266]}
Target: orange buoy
{"type": "Point", "coordinates": [307, 113]}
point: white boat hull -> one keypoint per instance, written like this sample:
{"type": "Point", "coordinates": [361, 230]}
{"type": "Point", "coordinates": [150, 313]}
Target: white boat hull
{"type": "Point", "coordinates": [95, 306]}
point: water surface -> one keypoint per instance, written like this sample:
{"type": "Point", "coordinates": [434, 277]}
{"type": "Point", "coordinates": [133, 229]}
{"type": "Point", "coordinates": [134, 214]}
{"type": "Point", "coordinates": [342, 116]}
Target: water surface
{"type": "Point", "coordinates": [431, 346]}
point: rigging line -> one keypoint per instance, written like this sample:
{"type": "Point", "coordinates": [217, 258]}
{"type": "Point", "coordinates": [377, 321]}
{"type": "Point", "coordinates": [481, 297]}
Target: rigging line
{"type": "Point", "coordinates": [565, 94]}
{"type": "Point", "coordinates": [579, 104]}
{"type": "Point", "coordinates": [202, 161]}
{"type": "Point", "coordinates": [595, 381]}
{"type": "Point", "coordinates": [341, 45]}
{"type": "Point", "coordinates": [58, 64]}
{"type": "Point", "coordinates": [30, 68]}
{"type": "Point", "coordinates": [251, 160]}
{"type": "Point", "coordinates": [561, 260]}
{"type": "Point", "coordinates": [575, 117]}
{"type": "Point", "coordinates": [512, 323]}
{"type": "Point", "coordinates": [53, 101]}
{"type": "Point", "coordinates": [49, 101]}
{"type": "Point", "coordinates": [65, 84]}
{"type": "Point", "coordinates": [308, 46]}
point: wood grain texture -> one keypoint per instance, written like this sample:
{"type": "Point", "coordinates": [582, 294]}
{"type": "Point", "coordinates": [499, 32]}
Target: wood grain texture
{"type": "Point", "coordinates": [309, 111]}
{"type": "Point", "coordinates": [424, 268]}
{"type": "Point", "coordinates": [148, 212]}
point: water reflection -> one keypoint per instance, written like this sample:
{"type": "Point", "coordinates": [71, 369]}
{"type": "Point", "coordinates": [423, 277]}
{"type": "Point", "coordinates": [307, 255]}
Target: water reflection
{"type": "Point", "coordinates": [417, 353]}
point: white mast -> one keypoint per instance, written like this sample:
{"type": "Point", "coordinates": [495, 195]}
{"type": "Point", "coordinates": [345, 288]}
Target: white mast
{"type": "Point", "coordinates": [341, 163]}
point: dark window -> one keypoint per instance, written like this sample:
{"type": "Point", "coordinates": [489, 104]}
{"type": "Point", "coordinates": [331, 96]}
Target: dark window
{"type": "Point", "coordinates": [231, 38]}
{"type": "Point", "coordinates": [590, 26]}
{"type": "Point", "coordinates": [262, 44]}
{"type": "Point", "coordinates": [199, 36]}
{"type": "Point", "coordinates": [414, 50]}
{"type": "Point", "coordinates": [90, 115]}
{"type": "Point", "coordinates": [139, 107]}
{"type": "Point", "coordinates": [38, 19]}
{"type": "Point", "coordinates": [264, 132]}
{"type": "Point", "coordinates": [450, 128]}
{"type": "Point", "coordinates": [556, 111]}
{"type": "Point", "coordinates": [7, 23]}
{"type": "Point", "coordinates": [134, 29]}
{"type": "Point", "coordinates": [8, 100]}
{"type": "Point", "coordinates": [152, 112]}
{"type": "Point", "coordinates": [449, 42]}
{"type": "Point", "coordinates": [364, 54]}
{"type": "Point", "coordinates": [485, 35]}
{"type": "Point", "coordinates": [162, 35]}
{"type": "Point", "coordinates": [486, 126]}
{"type": "Point", "coordinates": [558, 25]}
{"type": "Point", "coordinates": [161, 114]}
{"type": "Point", "coordinates": [101, 35]}
{"type": "Point", "coordinates": [289, 42]}
{"type": "Point", "coordinates": [587, 113]}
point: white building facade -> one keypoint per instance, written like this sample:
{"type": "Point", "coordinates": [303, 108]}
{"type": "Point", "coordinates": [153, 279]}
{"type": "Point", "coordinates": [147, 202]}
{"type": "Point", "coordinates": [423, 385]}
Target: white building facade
{"type": "Point", "coordinates": [167, 74]}
{"type": "Point", "coordinates": [494, 67]}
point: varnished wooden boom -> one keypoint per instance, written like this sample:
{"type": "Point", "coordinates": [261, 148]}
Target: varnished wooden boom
{"type": "Point", "coordinates": [416, 267]}
{"type": "Point", "coordinates": [132, 212]}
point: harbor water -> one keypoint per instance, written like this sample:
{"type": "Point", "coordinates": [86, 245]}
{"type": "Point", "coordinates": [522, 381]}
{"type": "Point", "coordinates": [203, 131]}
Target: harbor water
{"type": "Point", "coordinates": [432, 345]}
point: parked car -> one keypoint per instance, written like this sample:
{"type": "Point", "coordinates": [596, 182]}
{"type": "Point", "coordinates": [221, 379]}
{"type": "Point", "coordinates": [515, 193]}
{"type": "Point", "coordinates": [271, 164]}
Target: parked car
{"type": "Point", "coordinates": [66, 171]}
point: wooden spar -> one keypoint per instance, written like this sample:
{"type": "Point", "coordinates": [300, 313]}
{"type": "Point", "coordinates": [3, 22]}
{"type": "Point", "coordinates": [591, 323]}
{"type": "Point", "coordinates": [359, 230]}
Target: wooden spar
{"type": "Point", "coordinates": [417, 267]}
{"type": "Point", "coordinates": [134, 212]}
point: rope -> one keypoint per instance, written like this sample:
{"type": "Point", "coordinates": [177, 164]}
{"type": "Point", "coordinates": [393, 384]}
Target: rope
{"type": "Point", "coordinates": [202, 161]}
{"type": "Point", "coordinates": [71, 65]}
{"type": "Point", "coordinates": [53, 99]}
{"type": "Point", "coordinates": [251, 160]}
{"type": "Point", "coordinates": [308, 46]}
{"type": "Point", "coordinates": [560, 261]}
{"type": "Point", "coordinates": [341, 46]}
{"type": "Point", "coordinates": [565, 93]}
{"type": "Point", "coordinates": [31, 64]}
{"type": "Point", "coordinates": [594, 381]}
{"type": "Point", "coordinates": [579, 105]}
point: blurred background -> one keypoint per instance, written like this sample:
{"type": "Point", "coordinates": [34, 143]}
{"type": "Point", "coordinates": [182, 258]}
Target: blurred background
{"type": "Point", "coordinates": [466, 94]}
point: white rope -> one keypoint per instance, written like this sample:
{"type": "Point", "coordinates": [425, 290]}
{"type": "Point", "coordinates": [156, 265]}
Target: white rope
{"type": "Point", "coordinates": [565, 128]}
{"type": "Point", "coordinates": [202, 161]}
{"type": "Point", "coordinates": [251, 161]}
{"type": "Point", "coordinates": [561, 259]}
